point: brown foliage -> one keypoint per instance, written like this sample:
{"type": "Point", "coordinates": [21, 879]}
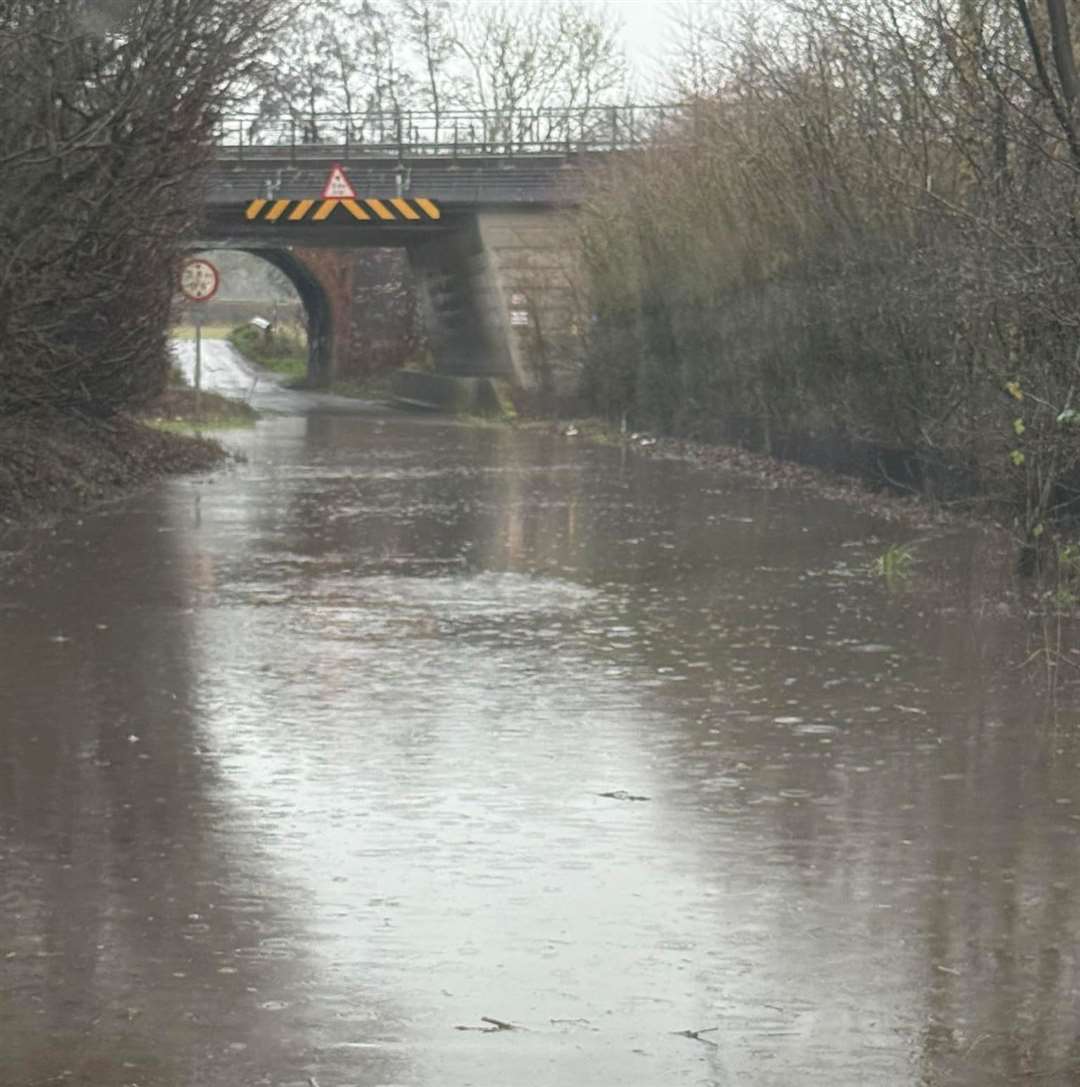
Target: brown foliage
{"type": "Point", "coordinates": [106, 109]}
{"type": "Point", "coordinates": [54, 463]}
{"type": "Point", "coordinates": [865, 224]}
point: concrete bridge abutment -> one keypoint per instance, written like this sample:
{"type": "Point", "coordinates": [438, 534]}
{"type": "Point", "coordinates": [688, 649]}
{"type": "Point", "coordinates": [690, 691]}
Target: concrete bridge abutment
{"type": "Point", "coordinates": [498, 299]}
{"type": "Point", "coordinates": [535, 303]}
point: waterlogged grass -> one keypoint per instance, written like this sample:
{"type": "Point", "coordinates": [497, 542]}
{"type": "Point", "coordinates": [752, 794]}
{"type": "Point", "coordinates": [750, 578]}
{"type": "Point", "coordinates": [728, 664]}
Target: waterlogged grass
{"type": "Point", "coordinates": [895, 562]}
{"type": "Point", "coordinates": [178, 411]}
{"type": "Point", "coordinates": [196, 426]}
{"type": "Point", "coordinates": [590, 429]}
{"type": "Point", "coordinates": [598, 432]}
{"type": "Point", "coordinates": [53, 464]}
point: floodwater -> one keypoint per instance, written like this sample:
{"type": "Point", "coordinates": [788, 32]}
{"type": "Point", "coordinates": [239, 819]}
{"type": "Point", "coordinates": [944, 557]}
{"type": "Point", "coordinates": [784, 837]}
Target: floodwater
{"type": "Point", "coordinates": [317, 767]}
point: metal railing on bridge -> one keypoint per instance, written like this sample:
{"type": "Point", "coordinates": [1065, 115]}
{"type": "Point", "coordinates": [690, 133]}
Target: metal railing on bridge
{"type": "Point", "coordinates": [452, 133]}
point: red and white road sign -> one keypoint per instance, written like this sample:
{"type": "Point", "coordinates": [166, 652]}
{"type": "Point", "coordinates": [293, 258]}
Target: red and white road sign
{"type": "Point", "coordinates": [199, 280]}
{"type": "Point", "coordinates": [337, 185]}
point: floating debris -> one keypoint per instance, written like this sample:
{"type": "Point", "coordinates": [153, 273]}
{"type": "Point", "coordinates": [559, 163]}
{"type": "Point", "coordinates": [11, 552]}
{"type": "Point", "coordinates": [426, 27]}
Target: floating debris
{"type": "Point", "coordinates": [696, 1035]}
{"type": "Point", "coordinates": [493, 1025]}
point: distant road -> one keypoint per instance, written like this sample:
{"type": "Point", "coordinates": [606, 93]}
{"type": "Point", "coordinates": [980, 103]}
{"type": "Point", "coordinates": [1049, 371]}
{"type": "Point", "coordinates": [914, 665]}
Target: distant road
{"type": "Point", "coordinates": [226, 371]}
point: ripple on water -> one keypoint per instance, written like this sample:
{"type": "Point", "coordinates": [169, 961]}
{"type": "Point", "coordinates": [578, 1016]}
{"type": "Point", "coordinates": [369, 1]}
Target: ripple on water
{"type": "Point", "coordinates": [274, 949]}
{"type": "Point", "coordinates": [405, 707]}
{"type": "Point", "coordinates": [438, 594]}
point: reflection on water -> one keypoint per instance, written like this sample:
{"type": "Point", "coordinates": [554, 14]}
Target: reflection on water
{"type": "Point", "coordinates": [309, 765]}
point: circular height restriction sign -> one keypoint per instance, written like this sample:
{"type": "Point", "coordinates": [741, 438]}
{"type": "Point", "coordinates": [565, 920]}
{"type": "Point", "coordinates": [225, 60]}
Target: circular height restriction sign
{"type": "Point", "coordinates": [199, 280]}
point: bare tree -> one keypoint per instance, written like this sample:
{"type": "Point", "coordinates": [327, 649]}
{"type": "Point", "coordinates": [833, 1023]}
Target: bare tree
{"type": "Point", "coordinates": [383, 59]}
{"type": "Point", "coordinates": [527, 60]}
{"type": "Point", "coordinates": [429, 34]}
{"type": "Point", "coordinates": [891, 249]}
{"type": "Point", "coordinates": [307, 72]}
{"type": "Point", "coordinates": [107, 113]}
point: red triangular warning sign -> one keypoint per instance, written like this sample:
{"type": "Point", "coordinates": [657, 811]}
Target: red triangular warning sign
{"type": "Point", "coordinates": [337, 185]}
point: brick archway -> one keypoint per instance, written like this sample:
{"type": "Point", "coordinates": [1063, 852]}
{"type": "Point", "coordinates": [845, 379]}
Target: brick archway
{"type": "Point", "coordinates": [332, 270]}
{"type": "Point", "coordinates": [316, 283]}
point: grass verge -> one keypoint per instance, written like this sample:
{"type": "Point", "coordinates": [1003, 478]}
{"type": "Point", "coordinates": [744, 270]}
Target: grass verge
{"type": "Point", "coordinates": [176, 411]}
{"type": "Point", "coordinates": [52, 464]}
{"type": "Point", "coordinates": [285, 352]}
{"type": "Point", "coordinates": [771, 472]}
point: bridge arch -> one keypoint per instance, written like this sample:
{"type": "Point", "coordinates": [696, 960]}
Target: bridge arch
{"type": "Point", "coordinates": [317, 307]}
{"type": "Point", "coordinates": [313, 293]}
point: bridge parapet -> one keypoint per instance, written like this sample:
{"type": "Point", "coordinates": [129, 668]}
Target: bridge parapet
{"type": "Point", "coordinates": [272, 173]}
{"type": "Point", "coordinates": [506, 133]}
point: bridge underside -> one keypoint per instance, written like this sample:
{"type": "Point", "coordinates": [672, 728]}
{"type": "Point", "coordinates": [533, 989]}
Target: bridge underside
{"type": "Point", "coordinates": [494, 285]}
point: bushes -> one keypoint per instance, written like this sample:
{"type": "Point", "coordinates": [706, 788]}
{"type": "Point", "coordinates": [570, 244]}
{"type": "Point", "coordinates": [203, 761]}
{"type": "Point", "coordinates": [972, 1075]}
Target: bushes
{"type": "Point", "coordinates": [105, 118]}
{"type": "Point", "coordinates": [863, 225]}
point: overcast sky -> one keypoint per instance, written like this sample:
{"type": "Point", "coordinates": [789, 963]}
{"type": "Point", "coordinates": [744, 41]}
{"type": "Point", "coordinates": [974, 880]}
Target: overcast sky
{"type": "Point", "coordinates": [649, 33]}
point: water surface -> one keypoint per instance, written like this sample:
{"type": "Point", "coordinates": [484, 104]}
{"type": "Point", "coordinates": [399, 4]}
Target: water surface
{"type": "Point", "coordinates": [303, 770]}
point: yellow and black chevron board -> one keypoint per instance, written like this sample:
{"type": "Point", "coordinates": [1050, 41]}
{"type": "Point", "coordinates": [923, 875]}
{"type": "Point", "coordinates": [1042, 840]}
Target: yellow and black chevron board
{"type": "Point", "coordinates": [370, 209]}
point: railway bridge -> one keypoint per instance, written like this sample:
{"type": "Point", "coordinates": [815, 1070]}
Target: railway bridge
{"type": "Point", "coordinates": [480, 202]}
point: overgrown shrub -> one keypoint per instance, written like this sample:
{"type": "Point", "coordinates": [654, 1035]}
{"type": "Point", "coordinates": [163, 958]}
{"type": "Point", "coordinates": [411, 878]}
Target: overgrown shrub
{"type": "Point", "coordinates": [864, 224]}
{"type": "Point", "coordinates": [106, 109]}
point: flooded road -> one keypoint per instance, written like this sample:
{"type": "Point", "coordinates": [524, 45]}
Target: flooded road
{"type": "Point", "coordinates": [226, 371]}
{"type": "Point", "coordinates": [330, 763]}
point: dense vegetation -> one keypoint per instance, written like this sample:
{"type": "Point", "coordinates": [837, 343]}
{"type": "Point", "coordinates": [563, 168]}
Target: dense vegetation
{"type": "Point", "coordinates": [375, 61]}
{"type": "Point", "coordinates": [864, 225]}
{"type": "Point", "coordinates": [106, 108]}
{"type": "Point", "coordinates": [282, 349]}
